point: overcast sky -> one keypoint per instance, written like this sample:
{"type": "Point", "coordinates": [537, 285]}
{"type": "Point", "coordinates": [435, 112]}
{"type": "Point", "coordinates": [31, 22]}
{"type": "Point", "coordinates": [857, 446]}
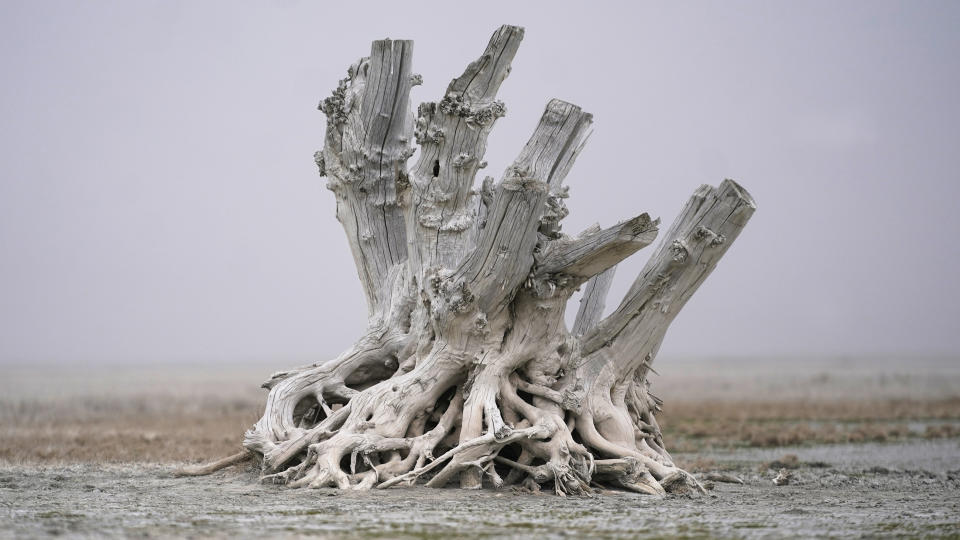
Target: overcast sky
{"type": "Point", "coordinates": [159, 201]}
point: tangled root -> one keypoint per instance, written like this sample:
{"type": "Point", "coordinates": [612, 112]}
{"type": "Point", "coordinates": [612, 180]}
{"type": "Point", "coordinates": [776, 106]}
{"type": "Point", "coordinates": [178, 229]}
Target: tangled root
{"type": "Point", "coordinates": [402, 431]}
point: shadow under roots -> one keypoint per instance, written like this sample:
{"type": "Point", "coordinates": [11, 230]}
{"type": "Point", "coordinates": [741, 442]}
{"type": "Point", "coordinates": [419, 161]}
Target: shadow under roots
{"type": "Point", "coordinates": [308, 413]}
{"type": "Point", "coordinates": [370, 374]}
{"type": "Point", "coordinates": [511, 452]}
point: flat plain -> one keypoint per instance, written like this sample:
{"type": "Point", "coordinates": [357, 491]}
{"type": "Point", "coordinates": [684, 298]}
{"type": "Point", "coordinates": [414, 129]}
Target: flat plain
{"type": "Point", "coordinates": [871, 445]}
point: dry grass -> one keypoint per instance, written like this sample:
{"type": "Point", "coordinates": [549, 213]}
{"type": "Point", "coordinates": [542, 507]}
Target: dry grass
{"type": "Point", "coordinates": [131, 430]}
{"type": "Point", "coordinates": [693, 426]}
{"type": "Point", "coordinates": [174, 429]}
{"type": "Point", "coordinates": [837, 410]}
{"type": "Point", "coordinates": [153, 414]}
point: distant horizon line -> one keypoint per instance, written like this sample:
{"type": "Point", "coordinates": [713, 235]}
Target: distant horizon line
{"type": "Point", "coordinates": [284, 361]}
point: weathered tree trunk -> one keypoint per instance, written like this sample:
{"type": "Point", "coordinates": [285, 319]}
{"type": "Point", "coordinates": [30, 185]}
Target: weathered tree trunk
{"type": "Point", "coordinates": [466, 369]}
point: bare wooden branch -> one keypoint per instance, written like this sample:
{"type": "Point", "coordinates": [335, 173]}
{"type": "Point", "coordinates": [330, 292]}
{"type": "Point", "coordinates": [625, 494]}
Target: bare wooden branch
{"type": "Point", "coordinates": [210, 468]}
{"type": "Point", "coordinates": [592, 253]}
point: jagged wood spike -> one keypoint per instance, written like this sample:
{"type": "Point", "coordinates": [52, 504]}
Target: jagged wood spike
{"type": "Point", "coordinates": [365, 158]}
{"type": "Point", "coordinates": [504, 253]}
{"type": "Point", "coordinates": [452, 135]}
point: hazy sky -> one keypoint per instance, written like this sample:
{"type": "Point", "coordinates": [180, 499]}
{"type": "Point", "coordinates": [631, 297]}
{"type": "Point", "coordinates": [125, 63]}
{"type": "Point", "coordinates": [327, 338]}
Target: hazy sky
{"type": "Point", "coordinates": [159, 201]}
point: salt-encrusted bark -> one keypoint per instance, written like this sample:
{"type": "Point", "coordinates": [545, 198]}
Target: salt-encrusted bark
{"type": "Point", "coordinates": [452, 134]}
{"type": "Point", "coordinates": [466, 370]}
{"type": "Point", "coordinates": [365, 159]}
{"type": "Point", "coordinates": [709, 223]}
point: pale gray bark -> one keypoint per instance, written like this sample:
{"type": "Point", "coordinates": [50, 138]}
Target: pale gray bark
{"type": "Point", "coordinates": [466, 370]}
{"type": "Point", "coordinates": [452, 134]}
{"type": "Point", "coordinates": [365, 156]}
{"type": "Point", "coordinates": [593, 301]}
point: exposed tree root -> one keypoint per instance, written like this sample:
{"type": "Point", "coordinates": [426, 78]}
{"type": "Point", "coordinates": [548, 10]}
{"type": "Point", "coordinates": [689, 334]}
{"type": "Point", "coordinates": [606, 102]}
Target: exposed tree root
{"type": "Point", "coordinates": [210, 468]}
{"type": "Point", "coordinates": [466, 371]}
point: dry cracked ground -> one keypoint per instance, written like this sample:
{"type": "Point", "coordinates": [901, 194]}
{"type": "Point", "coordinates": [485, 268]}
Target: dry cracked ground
{"type": "Point", "coordinates": [871, 448]}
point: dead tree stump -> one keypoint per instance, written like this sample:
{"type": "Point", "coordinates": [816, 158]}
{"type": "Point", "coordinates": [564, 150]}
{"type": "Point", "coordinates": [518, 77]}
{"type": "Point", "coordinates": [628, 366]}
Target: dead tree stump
{"type": "Point", "coordinates": [466, 370]}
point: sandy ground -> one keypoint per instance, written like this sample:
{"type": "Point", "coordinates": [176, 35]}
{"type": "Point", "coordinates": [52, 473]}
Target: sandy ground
{"type": "Point", "coordinates": [88, 450]}
{"type": "Point", "coordinates": [876, 490]}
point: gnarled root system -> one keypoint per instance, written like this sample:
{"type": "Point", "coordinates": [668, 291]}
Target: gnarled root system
{"type": "Point", "coordinates": [467, 372]}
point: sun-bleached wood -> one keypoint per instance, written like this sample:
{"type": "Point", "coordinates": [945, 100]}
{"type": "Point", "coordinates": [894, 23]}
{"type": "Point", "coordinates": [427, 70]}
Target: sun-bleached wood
{"type": "Point", "coordinates": [466, 370]}
{"type": "Point", "coordinates": [593, 301]}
